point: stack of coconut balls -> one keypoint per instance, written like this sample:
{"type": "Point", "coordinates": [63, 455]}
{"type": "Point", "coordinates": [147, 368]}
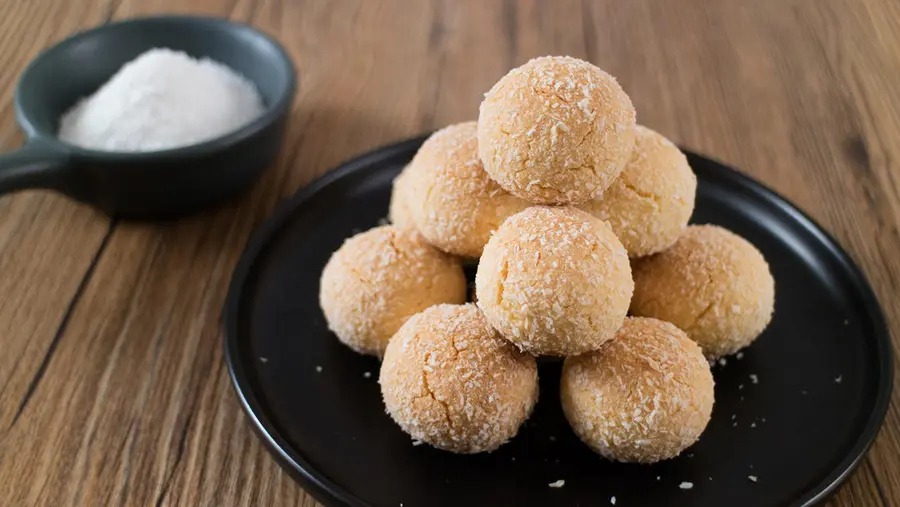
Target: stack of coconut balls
{"type": "Point", "coordinates": [577, 216]}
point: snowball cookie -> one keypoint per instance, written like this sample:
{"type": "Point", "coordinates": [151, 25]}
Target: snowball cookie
{"type": "Point", "coordinates": [556, 130]}
{"type": "Point", "coordinates": [449, 380]}
{"type": "Point", "coordinates": [378, 279]}
{"type": "Point", "coordinates": [643, 397]}
{"type": "Point", "coordinates": [649, 204]}
{"type": "Point", "coordinates": [398, 210]}
{"type": "Point", "coordinates": [711, 283]}
{"type": "Point", "coordinates": [455, 204]}
{"type": "Point", "coordinates": [554, 281]}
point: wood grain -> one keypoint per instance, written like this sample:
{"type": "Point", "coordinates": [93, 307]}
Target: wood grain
{"type": "Point", "coordinates": [112, 387]}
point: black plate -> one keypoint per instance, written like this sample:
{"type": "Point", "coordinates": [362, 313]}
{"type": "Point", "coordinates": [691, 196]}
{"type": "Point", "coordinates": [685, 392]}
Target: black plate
{"type": "Point", "coordinates": [797, 411]}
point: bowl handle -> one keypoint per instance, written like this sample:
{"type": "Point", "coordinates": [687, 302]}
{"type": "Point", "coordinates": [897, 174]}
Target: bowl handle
{"type": "Point", "coordinates": [35, 165]}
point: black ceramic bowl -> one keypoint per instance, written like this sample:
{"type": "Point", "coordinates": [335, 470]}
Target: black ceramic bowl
{"type": "Point", "coordinates": [147, 185]}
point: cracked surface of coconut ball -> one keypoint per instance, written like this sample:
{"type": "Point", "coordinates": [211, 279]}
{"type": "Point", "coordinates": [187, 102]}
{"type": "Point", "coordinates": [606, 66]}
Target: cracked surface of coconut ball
{"type": "Point", "coordinates": [713, 284]}
{"type": "Point", "coordinates": [452, 200]}
{"type": "Point", "coordinates": [650, 203]}
{"type": "Point", "coordinates": [554, 281]}
{"type": "Point", "coordinates": [556, 130]}
{"type": "Point", "coordinates": [449, 380]}
{"type": "Point", "coordinates": [643, 397]}
{"type": "Point", "coordinates": [398, 210]}
{"type": "Point", "coordinates": [379, 278]}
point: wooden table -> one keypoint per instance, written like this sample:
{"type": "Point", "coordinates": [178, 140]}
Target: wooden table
{"type": "Point", "coordinates": [112, 384]}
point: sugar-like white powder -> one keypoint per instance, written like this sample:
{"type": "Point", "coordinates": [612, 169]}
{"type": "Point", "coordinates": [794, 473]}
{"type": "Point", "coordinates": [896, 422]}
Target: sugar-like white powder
{"type": "Point", "coordinates": [162, 99]}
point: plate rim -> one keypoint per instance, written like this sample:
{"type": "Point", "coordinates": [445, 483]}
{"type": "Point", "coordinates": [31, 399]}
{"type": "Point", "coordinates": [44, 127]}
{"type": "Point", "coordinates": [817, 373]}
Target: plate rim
{"type": "Point", "coordinates": [329, 493]}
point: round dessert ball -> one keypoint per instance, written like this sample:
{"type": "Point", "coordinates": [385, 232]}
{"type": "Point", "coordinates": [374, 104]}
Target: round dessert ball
{"type": "Point", "coordinates": [398, 210]}
{"type": "Point", "coordinates": [450, 381]}
{"type": "Point", "coordinates": [643, 397]}
{"type": "Point", "coordinates": [650, 203]}
{"type": "Point", "coordinates": [379, 278]}
{"type": "Point", "coordinates": [556, 130]}
{"type": "Point", "coordinates": [711, 283]}
{"type": "Point", "coordinates": [554, 281]}
{"type": "Point", "coordinates": [454, 203]}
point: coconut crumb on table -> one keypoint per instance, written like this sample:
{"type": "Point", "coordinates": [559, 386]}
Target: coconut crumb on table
{"type": "Point", "coordinates": [367, 374]}
{"type": "Point", "coordinates": [686, 485]}
{"type": "Point", "coordinates": [263, 359]}
{"type": "Point", "coordinates": [558, 484]}
{"type": "Point", "coordinates": [739, 356]}
{"type": "Point", "coordinates": [752, 478]}
{"type": "Point", "coordinates": [318, 369]}
{"type": "Point", "coordinates": [612, 500]}
{"type": "Point", "coordinates": [838, 379]}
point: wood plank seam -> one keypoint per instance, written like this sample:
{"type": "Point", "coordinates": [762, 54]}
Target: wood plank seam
{"type": "Point", "coordinates": [61, 329]}
{"type": "Point", "coordinates": [179, 454]}
{"type": "Point", "coordinates": [878, 486]}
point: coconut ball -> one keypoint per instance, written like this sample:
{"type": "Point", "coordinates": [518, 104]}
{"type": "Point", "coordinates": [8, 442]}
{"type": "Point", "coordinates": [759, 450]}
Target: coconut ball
{"type": "Point", "coordinates": [650, 203]}
{"type": "Point", "coordinates": [398, 210]}
{"type": "Point", "coordinates": [379, 278]}
{"type": "Point", "coordinates": [711, 283]}
{"type": "Point", "coordinates": [449, 380]}
{"type": "Point", "coordinates": [556, 130]}
{"type": "Point", "coordinates": [643, 397]}
{"type": "Point", "coordinates": [454, 203]}
{"type": "Point", "coordinates": [554, 281]}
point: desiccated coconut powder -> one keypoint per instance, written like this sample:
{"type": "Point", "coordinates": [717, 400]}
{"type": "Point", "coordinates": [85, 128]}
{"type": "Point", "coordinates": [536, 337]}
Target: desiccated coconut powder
{"type": "Point", "coordinates": [162, 99]}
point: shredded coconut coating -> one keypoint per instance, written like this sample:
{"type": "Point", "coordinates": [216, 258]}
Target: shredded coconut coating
{"type": "Point", "coordinates": [645, 396]}
{"type": "Point", "coordinates": [449, 380]}
{"type": "Point", "coordinates": [398, 211]}
{"type": "Point", "coordinates": [711, 283]}
{"type": "Point", "coordinates": [454, 203]}
{"type": "Point", "coordinates": [554, 281]}
{"type": "Point", "coordinates": [650, 203]}
{"type": "Point", "coordinates": [379, 278]}
{"type": "Point", "coordinates": [556, 130]}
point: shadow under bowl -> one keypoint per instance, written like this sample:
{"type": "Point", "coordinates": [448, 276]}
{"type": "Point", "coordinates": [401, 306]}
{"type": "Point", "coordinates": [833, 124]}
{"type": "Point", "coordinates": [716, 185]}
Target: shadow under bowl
{"type": "Point", "coordinates": [153, 185]}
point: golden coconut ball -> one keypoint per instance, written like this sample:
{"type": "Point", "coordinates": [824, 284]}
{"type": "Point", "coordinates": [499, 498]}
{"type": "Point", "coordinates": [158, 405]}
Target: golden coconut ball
{"type": "Point", "coordinates": [711, 283]}
{"type": "Point", "coordinates": [649, 205]}
{"type": "Point", "coordinates": [454, 203]}
{"type": "Point", "coordinates": [398, 210]}
{"type": "Point", "coordinates": [556, 130]}
{"type": "Point", "coordinates": [643, 397]}
{"type": "Point", "coordinates": [449, 380]}
{"type": "Point", "coordinates": [554, 281]}
{"type": "Point", "coordinates": [379, 278]}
